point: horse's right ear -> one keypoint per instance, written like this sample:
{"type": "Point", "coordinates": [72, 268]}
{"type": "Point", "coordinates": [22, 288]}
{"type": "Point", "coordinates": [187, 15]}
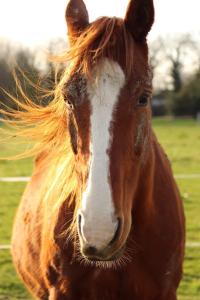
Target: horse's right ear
{"type": "Point", "coordinates": [77, 18]}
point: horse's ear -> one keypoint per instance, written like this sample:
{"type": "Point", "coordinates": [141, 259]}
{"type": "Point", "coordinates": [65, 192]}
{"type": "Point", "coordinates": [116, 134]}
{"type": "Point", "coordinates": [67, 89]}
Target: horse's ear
{"type": "Point", "coordinates": [139, 18]}
{"type": "Point", "coordinates": [77, 18]}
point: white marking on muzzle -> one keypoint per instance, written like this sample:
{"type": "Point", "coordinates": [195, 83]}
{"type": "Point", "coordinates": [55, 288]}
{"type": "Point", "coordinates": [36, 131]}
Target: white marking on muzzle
{"type": "Point", "coordinates": [99, 222]}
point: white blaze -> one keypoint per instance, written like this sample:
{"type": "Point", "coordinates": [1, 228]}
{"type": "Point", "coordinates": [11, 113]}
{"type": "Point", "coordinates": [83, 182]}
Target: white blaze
{"type": "Point", "coordinates": [98, 214]}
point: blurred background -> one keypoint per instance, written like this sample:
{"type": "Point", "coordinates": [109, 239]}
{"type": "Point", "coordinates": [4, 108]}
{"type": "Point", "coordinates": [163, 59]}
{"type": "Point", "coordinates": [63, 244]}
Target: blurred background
{"type": "Point", "coordinates": [31, 30]}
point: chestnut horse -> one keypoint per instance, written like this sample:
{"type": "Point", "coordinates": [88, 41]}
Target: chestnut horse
{"type": "Point", "coordinates": [101, 217]}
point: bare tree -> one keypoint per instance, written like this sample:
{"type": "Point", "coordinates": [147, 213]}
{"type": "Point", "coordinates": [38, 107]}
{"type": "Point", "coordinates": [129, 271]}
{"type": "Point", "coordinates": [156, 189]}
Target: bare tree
{"type": "Point", "coordinates": [156, 53]}
{"type": "Point", "coordinates": [173, 57]}
{"type": "Point", "coordinates": [18, 60]}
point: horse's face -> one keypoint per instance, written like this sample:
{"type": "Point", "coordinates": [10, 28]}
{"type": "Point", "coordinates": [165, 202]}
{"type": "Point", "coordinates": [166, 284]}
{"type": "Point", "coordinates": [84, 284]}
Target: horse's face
{"type": "Point", "coordinates": [111, 110]}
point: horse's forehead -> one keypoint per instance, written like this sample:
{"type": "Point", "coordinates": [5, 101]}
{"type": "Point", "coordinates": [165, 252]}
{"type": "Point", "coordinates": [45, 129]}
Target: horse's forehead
{"type": "Point", "coordinates": [107, 80]}
{"type": "Point", "coordinates": [106, 77]}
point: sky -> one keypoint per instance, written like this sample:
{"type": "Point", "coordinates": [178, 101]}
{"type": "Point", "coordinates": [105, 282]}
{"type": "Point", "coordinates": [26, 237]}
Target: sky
{"type": "Point", "coordinates": [34, 22]}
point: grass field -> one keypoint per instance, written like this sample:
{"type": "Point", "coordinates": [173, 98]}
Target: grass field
{"type": "Point", "coordinates": [181, 140]}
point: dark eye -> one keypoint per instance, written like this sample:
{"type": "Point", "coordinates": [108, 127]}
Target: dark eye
{"type": "Point", "coordinates": [69, 104]}
{"type": "Point", "coordinates": [74, 90]}
{"type": "Point", "coordinates": [143, 100]}
{"type": "Point", "coordinates": [73, 135]}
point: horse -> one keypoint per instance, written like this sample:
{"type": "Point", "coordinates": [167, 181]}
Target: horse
{"type": "Point", "coordinates": [101, 217]}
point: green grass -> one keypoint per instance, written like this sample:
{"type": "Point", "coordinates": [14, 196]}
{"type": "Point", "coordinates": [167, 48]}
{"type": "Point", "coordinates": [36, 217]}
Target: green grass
{"type": "Point", "coordinates": [10, 285]}
{"type": "Point", "coordinates": [16, 167]}
{"type": "Point", "coordinates": [181, 140]}
{"type": "Point", "coordinates": [190, 286]}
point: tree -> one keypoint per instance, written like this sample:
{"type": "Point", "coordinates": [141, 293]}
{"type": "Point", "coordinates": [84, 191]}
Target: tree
{"type": "Point", "coordinates": [175, 61]}
{"type": "Point", "coordinates": [21, 62]}
{"type": "Point", "coordinates": [187, 101]}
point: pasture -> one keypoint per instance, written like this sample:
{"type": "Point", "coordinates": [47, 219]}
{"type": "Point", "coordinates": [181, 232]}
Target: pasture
{"type": "Point", "coordinates": [181, 141]}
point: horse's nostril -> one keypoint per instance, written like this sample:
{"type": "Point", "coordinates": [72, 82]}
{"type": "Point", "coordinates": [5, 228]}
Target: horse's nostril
{"type": "Point", "coordinates": [90, 250]}
{"type": "Point", "coordinates": [79, 224]}
{"type": "Point", "coordinates": [117, 232]}
{"type": "Point", "coordinates": [79, 219]}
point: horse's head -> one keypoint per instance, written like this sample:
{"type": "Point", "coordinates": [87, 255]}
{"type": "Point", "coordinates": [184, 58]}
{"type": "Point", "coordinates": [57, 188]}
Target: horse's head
{"type": "Point", "coordinates": [109, 93]}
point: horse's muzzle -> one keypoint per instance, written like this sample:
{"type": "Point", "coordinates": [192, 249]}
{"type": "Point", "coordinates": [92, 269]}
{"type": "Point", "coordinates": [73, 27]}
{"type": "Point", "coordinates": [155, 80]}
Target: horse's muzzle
{"type": "Point", "coordinates": [92, 254]}
{"type": "Point", "coordinates": [109, 252]}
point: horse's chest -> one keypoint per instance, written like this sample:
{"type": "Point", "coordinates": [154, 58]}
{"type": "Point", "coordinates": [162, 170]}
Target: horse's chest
{"type": "Point", "coordinates": [106, 285]}
{"type": "Point", "coordinates": [97, 285]}
{"type": "Point", "coordinates": [116, 285]}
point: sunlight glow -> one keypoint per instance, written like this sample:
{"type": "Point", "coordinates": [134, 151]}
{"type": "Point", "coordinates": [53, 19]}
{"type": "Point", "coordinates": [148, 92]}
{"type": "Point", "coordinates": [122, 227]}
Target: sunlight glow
{"type": "Point", "coordinates": [35, 22]}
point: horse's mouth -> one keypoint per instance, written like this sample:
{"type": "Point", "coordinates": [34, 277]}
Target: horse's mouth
{"type": "Point", "coordinates": [104, 256]}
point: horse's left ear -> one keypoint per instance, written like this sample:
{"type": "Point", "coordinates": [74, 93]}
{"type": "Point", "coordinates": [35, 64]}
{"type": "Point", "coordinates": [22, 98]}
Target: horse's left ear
{"type": "Point", "coordinates": [77, 18]}
{"type": "Point", "coordinates": [140, 18]}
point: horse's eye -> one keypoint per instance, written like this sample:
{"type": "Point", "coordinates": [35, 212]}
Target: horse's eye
{"type": "Point", "coordinates": [143, 100]}
{"type": "Point", "coordinates": [69, 104]}
{"type": "Point", "coordinates": [73, 136]}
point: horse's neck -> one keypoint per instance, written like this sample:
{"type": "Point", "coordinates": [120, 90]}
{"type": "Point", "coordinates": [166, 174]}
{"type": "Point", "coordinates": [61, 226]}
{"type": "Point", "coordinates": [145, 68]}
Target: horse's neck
{"type": "Point", "coordinates": [156, 175]}
{"type": "Point", "coordinates": [158, 164]}
{"type": "Point", "coordinates": [162, 168]}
